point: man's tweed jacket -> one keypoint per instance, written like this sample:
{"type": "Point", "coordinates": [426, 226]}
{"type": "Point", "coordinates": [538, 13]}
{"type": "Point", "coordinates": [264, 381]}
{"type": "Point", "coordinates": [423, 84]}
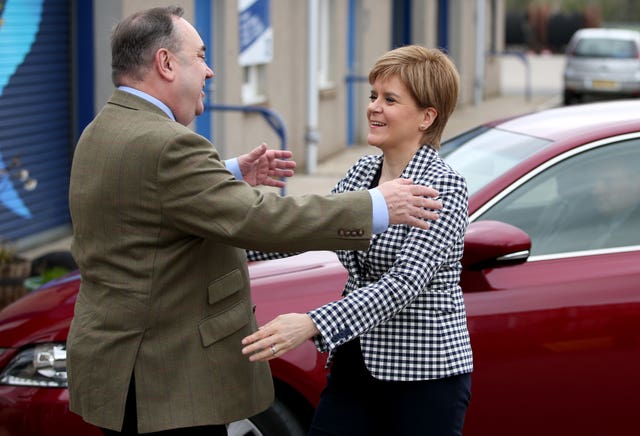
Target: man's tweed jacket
{"type": "Point", "coordinates": [403, 298]}
{"type": "Point", "coordinates": [157, 220]}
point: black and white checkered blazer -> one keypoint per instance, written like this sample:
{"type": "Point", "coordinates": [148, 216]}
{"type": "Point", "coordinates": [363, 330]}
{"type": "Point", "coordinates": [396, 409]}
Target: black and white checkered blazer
{"type": "Point", "coordinates": [402, 297]}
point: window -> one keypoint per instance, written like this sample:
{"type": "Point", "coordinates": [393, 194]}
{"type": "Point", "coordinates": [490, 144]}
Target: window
{"type": "Point", "coordinates": [253, 84]}
{"type": "Point", "coordinates": [586, 202]}
{"type": "Point", "coordinates": [326, 75]}
{"type": "Point", "coordinates": [255, 47]}
{"type": "Point", "coordinates": [483, 154]}
{"type": "Point", "coordinates": [606, 48]}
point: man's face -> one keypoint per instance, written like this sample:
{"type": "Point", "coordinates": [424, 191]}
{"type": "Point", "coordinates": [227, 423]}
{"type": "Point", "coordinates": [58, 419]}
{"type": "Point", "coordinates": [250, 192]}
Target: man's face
{"type": "Point", "coordinates": [192, 73]}
{"type": "Point", "coordinates": [615, 189]}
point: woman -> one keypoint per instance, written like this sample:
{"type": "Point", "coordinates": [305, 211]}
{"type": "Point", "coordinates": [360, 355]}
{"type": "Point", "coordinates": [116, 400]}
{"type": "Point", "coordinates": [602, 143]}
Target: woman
{"type": "Point", "coordinates": [398, 341]}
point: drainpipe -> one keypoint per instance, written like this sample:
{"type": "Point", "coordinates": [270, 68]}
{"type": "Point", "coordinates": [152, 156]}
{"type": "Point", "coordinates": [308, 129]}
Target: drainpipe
{"type": "Point", "coordinates": [312, 135]}
{"type": "Point", "coordinates": [351, 71]}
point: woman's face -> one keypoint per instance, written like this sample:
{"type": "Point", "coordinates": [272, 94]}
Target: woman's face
{"type": "Point", "coordinates": [394, 116]}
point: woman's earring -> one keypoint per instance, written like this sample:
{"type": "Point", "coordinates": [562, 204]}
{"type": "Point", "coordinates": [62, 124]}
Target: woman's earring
{"type": "Point", "coordinates": [423, 127]}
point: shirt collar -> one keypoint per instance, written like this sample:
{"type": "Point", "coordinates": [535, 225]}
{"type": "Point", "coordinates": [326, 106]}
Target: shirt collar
{"type": "Point", "coordinates": [151, 99]}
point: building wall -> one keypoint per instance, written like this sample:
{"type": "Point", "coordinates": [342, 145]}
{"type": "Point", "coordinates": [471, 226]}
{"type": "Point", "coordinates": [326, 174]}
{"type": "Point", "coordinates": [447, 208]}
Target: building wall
{"type": "Point", "coordinates": [495, 37]}
{"type": "Point", "coordinates": [286, 78]}
{"type": "Point", "coordinates": [374, 31]}
{"type": "Point", "coordinates": [425, 20]}
{"type": "Point", "coordinates": [235, 133]}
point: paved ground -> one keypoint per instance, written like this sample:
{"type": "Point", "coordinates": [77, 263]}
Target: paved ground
{"type": "Point", "coordinates": [526, 86]}
{"type": "Point", "coordinates": [543, 74]}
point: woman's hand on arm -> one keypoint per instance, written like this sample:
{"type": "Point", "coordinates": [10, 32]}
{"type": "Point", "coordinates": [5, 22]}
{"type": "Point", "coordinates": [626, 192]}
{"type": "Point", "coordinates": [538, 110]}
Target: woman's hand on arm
{"type": "Point", "coordinates": [278, 336]}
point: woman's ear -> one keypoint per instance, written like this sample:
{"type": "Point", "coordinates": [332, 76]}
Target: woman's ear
{"type": "Point", "coordinates": [430, 115]}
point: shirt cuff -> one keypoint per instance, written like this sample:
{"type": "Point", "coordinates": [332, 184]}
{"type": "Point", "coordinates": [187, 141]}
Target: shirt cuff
{"type": "Point", "coordinates": [234, 167]}
{"type": "Point", "coordinates": [380, 211]}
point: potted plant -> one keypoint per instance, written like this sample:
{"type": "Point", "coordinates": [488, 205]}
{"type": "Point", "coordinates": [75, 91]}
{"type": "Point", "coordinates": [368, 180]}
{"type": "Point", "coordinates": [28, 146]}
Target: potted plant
{"type": "Point", "coordinates": [14, 269]}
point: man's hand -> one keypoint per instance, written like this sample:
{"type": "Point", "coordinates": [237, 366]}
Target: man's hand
{"type": "Point", "coordinates": [265, 167]}
{"type": "Point", "coordinates": [408, 203]}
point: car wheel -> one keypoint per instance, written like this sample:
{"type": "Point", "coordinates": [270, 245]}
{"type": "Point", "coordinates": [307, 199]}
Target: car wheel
{"type": "Point", "coordinates": [277, 420]}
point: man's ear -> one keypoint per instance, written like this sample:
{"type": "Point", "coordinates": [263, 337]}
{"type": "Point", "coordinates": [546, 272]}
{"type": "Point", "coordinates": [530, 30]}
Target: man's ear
{"type": "Point", "coordinates": [164, 64]}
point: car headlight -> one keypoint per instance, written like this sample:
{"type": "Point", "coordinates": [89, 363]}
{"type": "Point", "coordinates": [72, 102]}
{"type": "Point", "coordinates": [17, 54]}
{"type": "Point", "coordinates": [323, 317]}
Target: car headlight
{"type": "Point", "coordinates": [43, 365]}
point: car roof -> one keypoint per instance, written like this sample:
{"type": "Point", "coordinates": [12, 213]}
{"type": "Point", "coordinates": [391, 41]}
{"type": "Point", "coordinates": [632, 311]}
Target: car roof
{"type": "Point", "coordinates": [607, 33]}
{"type": "Point", "coordinates": [594, 119]}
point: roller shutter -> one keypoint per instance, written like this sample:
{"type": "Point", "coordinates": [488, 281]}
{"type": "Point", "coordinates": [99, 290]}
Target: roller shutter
{"type": "Point", "coordinates": [35, 114]}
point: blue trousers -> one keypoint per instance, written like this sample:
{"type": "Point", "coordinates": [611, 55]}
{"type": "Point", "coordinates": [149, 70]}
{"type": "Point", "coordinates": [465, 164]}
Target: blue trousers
{"type": "Point", "coordinates": [356, 404]}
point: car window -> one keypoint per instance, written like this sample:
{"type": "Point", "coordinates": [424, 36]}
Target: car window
{"type": "Point", "coordinates": [606, 48]}
{"type": "Point", "coordinates": [588, 201]}
{"type": "Point", "coordinates": [484, 154]}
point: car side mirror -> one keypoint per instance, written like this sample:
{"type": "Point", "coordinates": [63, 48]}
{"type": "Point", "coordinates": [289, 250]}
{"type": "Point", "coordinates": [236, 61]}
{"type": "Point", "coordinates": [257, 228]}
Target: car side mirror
{"type": "Point", "coordinates": [489, 244]}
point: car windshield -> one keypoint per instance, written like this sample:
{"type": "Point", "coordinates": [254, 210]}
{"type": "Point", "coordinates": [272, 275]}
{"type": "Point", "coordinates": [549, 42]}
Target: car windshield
{"type": "Point", "coordinates": [606, 48]}
{"type": "Point", "coordinates": [484, 153]}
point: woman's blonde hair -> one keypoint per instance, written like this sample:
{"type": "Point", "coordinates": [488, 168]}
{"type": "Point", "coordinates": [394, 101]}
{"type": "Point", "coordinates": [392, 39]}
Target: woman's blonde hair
{"type": "Point", "coordinates": [430, 76]}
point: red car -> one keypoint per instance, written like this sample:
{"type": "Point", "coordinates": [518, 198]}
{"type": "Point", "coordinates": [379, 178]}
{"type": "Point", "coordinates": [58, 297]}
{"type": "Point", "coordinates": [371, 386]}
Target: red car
{"type": "Point", "coordinates": [551, 280]}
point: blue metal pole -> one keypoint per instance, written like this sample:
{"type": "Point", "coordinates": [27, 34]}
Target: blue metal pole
{"type": "Point", "coordinates": [203, 25]}
{"type": "Point", "coordinates": [84, 66]}
{"type": "Point", "coordinates": [443, 24]}
{"type": "Point", "coordinates": [271, 117]}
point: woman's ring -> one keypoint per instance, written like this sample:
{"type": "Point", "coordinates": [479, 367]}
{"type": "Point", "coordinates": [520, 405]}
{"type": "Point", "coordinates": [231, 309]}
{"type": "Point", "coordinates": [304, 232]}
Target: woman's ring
{"type": "Point", "coordinates": [274, 350]}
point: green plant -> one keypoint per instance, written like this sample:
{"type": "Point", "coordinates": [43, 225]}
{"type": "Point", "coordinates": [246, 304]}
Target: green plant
{"type": "Point", "coordinates": [7, 252]}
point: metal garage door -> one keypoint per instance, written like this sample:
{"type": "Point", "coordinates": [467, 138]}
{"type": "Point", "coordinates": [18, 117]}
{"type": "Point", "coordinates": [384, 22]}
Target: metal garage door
{"type": "Point", "coordinates": [35, 120]}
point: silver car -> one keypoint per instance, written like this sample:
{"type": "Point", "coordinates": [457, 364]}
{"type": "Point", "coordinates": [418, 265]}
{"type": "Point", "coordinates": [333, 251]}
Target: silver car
{"type": "Point", "coordinates": [602, 63]}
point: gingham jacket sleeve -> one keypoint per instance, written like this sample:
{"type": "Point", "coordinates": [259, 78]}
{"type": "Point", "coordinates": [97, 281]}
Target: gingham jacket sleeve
{"type": "Point", "coordinates": [254, 255]}
{"type": "Point", "coordinates": [406, 276]}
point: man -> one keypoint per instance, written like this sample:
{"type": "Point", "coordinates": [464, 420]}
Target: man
{"type": "Point", "coordinates": [160, 225]}
{"type": "Point", "coordinates": [616, 191]}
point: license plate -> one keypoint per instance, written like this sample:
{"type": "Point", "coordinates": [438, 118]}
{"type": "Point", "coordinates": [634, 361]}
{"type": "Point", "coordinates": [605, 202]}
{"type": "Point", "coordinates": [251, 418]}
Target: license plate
{"type": "Point", "coordinates": [604, 84]}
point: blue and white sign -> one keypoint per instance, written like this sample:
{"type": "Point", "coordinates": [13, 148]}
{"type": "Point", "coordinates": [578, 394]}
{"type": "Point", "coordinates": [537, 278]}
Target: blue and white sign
{"type": "Point", "coordinates": [256, 34]}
